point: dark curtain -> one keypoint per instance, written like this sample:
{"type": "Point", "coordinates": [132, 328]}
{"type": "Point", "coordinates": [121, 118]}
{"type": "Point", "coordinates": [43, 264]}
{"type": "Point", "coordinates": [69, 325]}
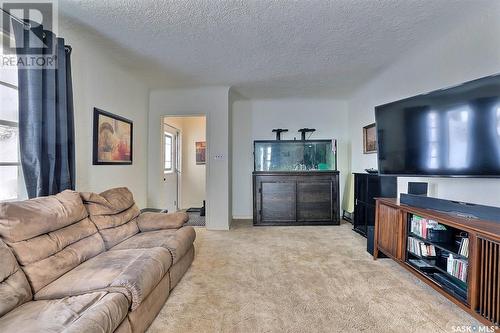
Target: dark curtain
{"type": "Point", "coordinates": [46, 123]}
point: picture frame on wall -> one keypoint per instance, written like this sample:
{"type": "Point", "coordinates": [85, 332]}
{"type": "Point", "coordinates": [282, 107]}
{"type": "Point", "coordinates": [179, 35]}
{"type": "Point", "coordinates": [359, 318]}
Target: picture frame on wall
{"type": "Point", "coordinates": [370, 139]}
{"type": "Point", "coordinates": [201, 151]}
{"type": "Point", "coordinates": [112, 139]}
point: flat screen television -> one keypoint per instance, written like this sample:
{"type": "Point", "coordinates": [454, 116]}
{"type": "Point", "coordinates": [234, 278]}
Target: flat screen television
{"type": "Point", "coordinates": [448, 132]}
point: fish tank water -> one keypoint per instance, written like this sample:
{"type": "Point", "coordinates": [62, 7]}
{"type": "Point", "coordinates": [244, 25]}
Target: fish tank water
{"type": "Point", "coordinates": [310, 155]}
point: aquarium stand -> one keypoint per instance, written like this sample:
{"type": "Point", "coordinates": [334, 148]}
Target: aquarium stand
{"type": "Point", "coordinates": [296, 198]}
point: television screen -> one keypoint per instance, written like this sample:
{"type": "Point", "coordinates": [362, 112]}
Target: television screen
{"type": "Point", "coordinates": [449, 132]}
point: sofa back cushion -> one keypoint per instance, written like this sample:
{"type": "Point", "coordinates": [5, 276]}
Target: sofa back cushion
{"type": "Point", "coordinates": [14, 288]}
{"type": "Point", "coordinates": [49, 235]}
{"type": "Point", "coordinates": [114, 212]}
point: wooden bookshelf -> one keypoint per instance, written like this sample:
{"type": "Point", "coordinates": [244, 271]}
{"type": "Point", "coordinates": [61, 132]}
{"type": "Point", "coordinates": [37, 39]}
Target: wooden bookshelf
{"type": "Point", "coordinates": [435, 267]}
{"type": "Point", "coordinates": [479, 294]}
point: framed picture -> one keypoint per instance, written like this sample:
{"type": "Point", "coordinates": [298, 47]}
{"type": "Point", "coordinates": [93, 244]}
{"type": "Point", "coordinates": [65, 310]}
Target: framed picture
{"type": "Point", "coordinates": [201, 151]}
{"type": "Point", "coordinates": [113, 139]}
{"type": "Point", "coordinates": [370, 139]}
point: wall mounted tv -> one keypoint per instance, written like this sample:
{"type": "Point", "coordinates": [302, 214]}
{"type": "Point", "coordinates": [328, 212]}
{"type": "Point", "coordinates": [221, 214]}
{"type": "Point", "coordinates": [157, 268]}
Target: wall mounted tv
{"type": "Point", "coordinates": [448, 132]}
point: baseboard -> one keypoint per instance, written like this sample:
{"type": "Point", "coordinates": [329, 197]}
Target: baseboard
{"type": "Point", "coordinates": [217, 228]}
{"type": "Point", "coordinates": [242, 217]}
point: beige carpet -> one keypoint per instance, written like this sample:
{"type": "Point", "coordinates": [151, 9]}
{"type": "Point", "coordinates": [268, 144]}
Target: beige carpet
{"type": "Point", "coordinates": [299, 279]}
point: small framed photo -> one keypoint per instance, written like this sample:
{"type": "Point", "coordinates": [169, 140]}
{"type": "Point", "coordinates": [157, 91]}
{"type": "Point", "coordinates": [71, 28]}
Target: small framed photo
{"type": "Point", "coordinates": [370, 139]}
{"type": "Point", "coordinates": [112, 139]}
{"type": "Point", "coordinates": [201, 151]}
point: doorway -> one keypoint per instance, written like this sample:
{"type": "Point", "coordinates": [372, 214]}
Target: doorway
{"type": "Point", "coordinates": [184, 165]}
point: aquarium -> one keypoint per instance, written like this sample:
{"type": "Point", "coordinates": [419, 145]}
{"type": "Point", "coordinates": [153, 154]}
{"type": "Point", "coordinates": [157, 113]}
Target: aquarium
{"type": "Point", "coordinates": [313, 155]}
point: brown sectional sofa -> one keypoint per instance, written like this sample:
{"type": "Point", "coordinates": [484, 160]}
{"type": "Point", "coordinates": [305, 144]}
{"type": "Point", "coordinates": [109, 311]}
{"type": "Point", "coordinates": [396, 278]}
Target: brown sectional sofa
{"type": "Point", "coordinates": [87, 262]}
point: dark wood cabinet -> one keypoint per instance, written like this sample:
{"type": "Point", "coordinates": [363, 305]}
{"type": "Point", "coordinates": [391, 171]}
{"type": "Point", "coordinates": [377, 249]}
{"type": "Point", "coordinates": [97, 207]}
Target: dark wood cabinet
{"type": "Point", "coordinates": [367, 187]}
{"type": "Point", "coordinates": [296, 198]}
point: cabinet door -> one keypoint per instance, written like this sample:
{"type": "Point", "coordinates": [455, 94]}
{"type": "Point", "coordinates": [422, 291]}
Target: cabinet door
{"type": "Point", "coordinates": [277, 202]}
{"type": "Point", "coordinates": [372, 189]}
{"type": "Point", "coordinates": [389, 230]}
{"type": "Point", "coordinates": [370, 215]}
{"type": "Point", "coordinates": [360, 218]}
{"type": "Point", "coordinates": [315, 201]}
{"type": "Point", "coordinates": [360, 183]}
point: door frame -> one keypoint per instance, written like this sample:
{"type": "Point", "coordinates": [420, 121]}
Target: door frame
{"type": "Point", "coordinates": [178, 158]}
{"type": "Point", "coordinates": [207, 161]}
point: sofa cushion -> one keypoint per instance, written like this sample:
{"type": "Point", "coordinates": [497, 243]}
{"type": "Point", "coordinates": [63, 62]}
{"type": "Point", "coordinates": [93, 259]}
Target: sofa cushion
{"type": "Point", "coordinates": [114, 212]}
{"type": "Point", "coordinates": [39, 248]}
{"type": "Point", "coordinates": [98, 312]}
{"type": "Point", "coordinates": [30, 218]}
{"type": "Point", "coordinates": [14, 288]}
{"type": "Point", "coordinates": [43, 272]}
{"type": "Point", "coordinates": [112, 201]}
{"type": "Point", "coordinates": [49, 235]}
{"type": "Point", "coordinates": [132, 272]}
{"type": "Point", "coordinates": [150, 221]}
{"type": "Point", "coordinates": [178, 242]}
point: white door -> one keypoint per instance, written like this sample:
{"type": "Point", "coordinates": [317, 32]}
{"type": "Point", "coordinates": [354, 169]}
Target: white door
{"type": "Point", "coordinates": [171, 167]}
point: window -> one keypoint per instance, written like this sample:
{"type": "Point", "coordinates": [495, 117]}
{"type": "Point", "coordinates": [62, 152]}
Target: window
{"type": "Point", "coordinates": [9, 135]}
{"type": "Point", "coordinates": [168, 153]}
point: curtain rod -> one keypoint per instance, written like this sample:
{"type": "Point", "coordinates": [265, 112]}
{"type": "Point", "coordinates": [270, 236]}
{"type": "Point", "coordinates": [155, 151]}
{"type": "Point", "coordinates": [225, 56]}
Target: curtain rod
{"type": "Point", "coordinates": [16, 19]}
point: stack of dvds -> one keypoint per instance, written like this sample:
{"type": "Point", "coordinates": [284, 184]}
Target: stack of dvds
{"type": "Point", "coordinates": [419, 226]}
{"type": "Point", "coordinates": [421, 249]}
{"type": "Point", "coordinates": [457, 268]}
{"type": "Point", "coordinates": [464, 247]}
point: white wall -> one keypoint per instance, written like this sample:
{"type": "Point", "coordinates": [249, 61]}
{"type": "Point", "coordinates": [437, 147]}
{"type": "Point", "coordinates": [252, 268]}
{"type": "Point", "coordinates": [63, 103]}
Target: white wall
{"type": "Point", "coordinates": [242, 148]}
{"type": "Point", "coordinates": [255, 119]}
{"type": "Point", "coordinates": [212, 102]}
{"type": "Point", "coordinates": [470, 51]}
{"type": "Point", "coordinates": [192, 175]}
{"type": "Point", "coordinates": [98, 81]}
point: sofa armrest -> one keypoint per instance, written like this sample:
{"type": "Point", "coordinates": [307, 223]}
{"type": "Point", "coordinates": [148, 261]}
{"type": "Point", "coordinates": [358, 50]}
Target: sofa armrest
{"type": "Point", "coordinates": [149, 221]}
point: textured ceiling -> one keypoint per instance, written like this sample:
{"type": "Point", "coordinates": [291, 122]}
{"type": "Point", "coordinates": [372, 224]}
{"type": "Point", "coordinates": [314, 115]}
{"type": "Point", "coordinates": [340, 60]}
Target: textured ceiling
{"type": "Point", "coordinates": [267, 48]}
